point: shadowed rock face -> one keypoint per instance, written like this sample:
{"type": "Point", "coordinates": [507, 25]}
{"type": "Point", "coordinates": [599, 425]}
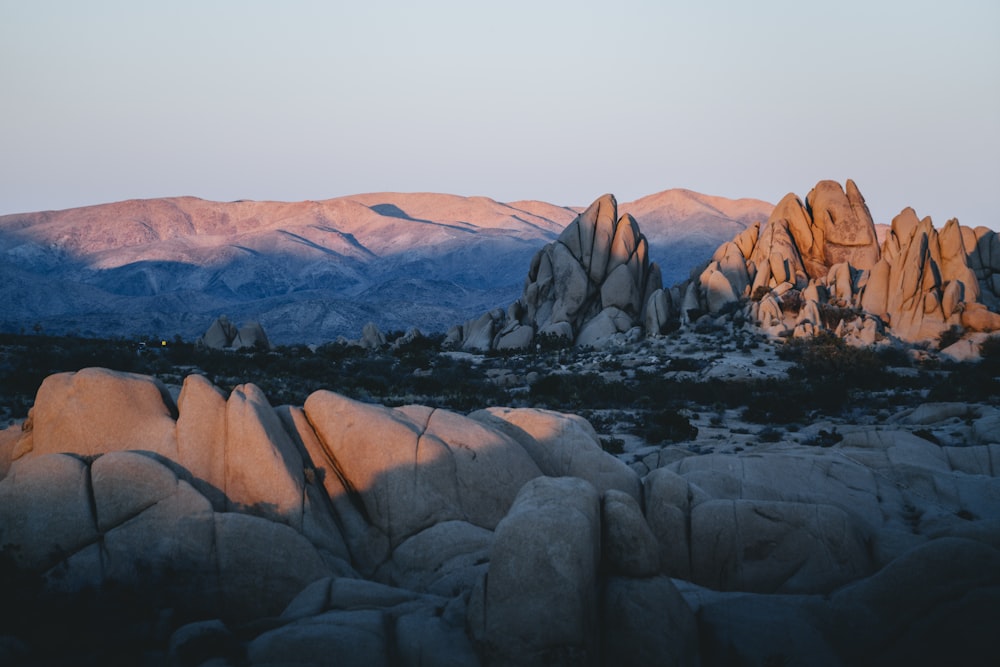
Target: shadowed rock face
{"type": "Point", "coordinates": [825, 253]}
{"type": "Point", "coordinates": [592, 283]}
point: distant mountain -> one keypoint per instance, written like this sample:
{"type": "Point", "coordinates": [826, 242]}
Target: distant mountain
{"type": "Point", "coordinates": [308, 271]}
{"type": "Point", "coordinates": [682, 226]}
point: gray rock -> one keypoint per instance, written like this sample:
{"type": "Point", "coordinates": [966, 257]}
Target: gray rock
{"type": "Point", "coordinates": [770, 547]}
{"type": "Point", "coordinates": [646, 622]}
{"type": "Point", "coordinates": [562, 445]}
{"type": "Point", "coordinates": [540, 605]}
{"type": "Point", "coordinates": [628, 545]}
{"type": "Point", "coordinates": [254, 555]}
{"type": "Point", "coordinates": [45, 511]}
{"type": "Point", "coordinates": [411, 468]}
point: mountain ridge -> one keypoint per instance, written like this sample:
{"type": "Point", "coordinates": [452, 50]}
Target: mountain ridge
{"type": "Point", "coordinates": [178, 262]}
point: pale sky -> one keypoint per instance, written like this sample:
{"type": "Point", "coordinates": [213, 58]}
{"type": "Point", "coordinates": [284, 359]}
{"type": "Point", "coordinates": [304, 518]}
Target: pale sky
{"type": "Point", "coordinates": [560, 101]}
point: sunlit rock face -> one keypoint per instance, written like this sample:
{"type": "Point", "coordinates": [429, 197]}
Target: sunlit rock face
{"type": "Point", "coordinates": [593, 283]}
{"type": "Point", "coordinates": [817, 266]}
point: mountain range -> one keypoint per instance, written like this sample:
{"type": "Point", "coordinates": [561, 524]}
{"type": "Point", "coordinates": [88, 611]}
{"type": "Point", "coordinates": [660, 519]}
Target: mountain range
{"type": "Point", "coordinates": [309, 271]}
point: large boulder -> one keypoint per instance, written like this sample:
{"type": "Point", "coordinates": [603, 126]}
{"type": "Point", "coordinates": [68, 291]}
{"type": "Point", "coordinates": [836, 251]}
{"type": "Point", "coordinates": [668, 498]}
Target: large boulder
{"type": "Point", "coordinates": [562, 445]}
{"type": "Point", "coordinates": [646, 622]}
{"type": "Point", "coordinates": [410, 468]}
{"type": "Point", "coordinates": [539, 602]}
{"type": "Point", "coordinates": [264, 471]}
{"type": "Point", "coordinates": [126, 522]}
{"type": "Point", "coordinates": [96, 410]}
{"type": "Point", "coordinates": [770, 547]}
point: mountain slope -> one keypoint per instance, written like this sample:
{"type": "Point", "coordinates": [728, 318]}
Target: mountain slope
{"type": "Point", "coordinates": [309, 271]}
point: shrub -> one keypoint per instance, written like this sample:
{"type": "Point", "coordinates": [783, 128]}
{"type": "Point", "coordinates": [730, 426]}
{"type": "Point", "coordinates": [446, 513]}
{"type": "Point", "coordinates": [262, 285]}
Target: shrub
{"type": "Point", "coordinates": [791, 301]}
{"type": "Point", "coordinates": [613, 445]}
{"type": "Point", "coordinates": [760, 292]}
{"type": "Point", "coordinates": [950, 336]}
{"type": "Point", "coordinates": [769, 434]}
{"type": "Point", "coordinates": [666, 425]}
{"type": "Point", "coordinates": [824, 438]}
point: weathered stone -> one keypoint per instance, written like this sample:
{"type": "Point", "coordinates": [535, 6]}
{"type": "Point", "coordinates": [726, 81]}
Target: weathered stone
{"type": "Point", "coordinates": [445, 559]}
{"type": "Point", "coordinates": [254, 555]}
{"type": "Point", "coordinates": [540, 606]}
{"type": "Point", "coordinates": [95, 410]}
{"type": "Point", "coordinates": [629, 546]}
{"type": "Point", "coordinates": [667, 514]}
{"type": "Point", "coordinates": [201, 437]}
{"type": "Point", "coordinates": [264, 471]}
{"type": "Point", "coordinates": [768, 547]}
{"type": "Point", "coordinates": [45, 511]}
{"type": "Point", "coordinates": [598, 270]}
{"type": "Point", "coordinates": [562, 445]}
{"type": "Point", "coordinates": [126, 483]}
{"type": "Point", "coordinates": [411, 468]}
{"type": "Point", "coordinates": [646, 622]}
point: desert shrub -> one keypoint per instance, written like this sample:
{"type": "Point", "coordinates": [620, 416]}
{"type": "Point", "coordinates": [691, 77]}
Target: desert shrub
{"type": "Point", "coordinates": [769, 434]}
{"type": "Point", "coordinates": [548, 342]}
{"type": "Point", "coordinates": [950, 336]}
{"type": "Point", "coordinates": [791, 301]}
{"type": "Point", "coordinates": [824, 438]}
{"type": "Point", "coordinates": [612, 445]}
{"type": "Point", "coordinates": [827, 359]}
{"type": "Point", "coordinates": [666, 425]}
{"type": "Point", "coordinates": [760, 292]}
{"type": "Point", "coordinates": [831, 315]}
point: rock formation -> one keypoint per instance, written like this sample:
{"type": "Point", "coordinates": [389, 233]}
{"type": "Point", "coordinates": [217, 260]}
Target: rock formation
{"type": "Point", "coordinates": [223, 334]}
{"type": "Point", "coordinates": [818, 266]}
{"type": "Point", "coordinates": [413, 534]}
{"type": "Point", "coordinates": [594, 282]}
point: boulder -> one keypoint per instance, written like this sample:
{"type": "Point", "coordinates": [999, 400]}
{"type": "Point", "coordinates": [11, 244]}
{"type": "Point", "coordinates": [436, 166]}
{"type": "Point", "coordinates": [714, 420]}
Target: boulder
{"type": "Point", "coordinates": [445, 559]}
{"type": "Point", "coordinates": [935, 603]}
{"type": "Point", "coordinates": [775, 547]}
{"type": "Point", "coordinates": [646, 622]}
{"type": "Point", "coordinates": [540, 605]}
{"type": "Point", "coordinates": [628, 545]}
{"type": "Point", "coordinates": [45, 511]}
{"type": "Point", "coordinates": [253, 559]}
{"type": "Point", "coordinates": [264, 470]}
{"type": "Point", "coordinates": [371, 337]}
{"type": "Point", "coordinates": [201, 437]}
{"type": "Point", "coordinates": [667, 514]}
{"type": "Point", "coordinates": [220, 334]}
{"type": "Point", "coordinates": [251, 336]}
{"type": "Point", "coordinates": [96, 410]}
{"type": "Point", "coordinates": [562, 445]}
{"type": "Point", "coordinates": [413, 467]}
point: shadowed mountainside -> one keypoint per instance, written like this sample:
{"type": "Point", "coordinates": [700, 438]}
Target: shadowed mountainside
{"type": "Point", "coordinates": [309, 271]}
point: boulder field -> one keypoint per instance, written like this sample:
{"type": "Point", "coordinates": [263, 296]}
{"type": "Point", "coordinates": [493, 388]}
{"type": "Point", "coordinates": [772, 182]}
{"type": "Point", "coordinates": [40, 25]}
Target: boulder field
{"type": "Point", "coordinates": [811, 267]}
{"type": "Point", "coordinates": [341, 532]}
{"type": "Point", "coordinates": [817, 266]}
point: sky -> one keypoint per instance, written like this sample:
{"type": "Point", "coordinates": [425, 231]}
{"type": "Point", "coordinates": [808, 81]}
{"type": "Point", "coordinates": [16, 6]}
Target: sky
{"type": "Point", "coordinates": [108, 100]}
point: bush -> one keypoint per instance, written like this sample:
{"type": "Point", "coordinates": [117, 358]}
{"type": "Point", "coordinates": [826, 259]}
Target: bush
{"type": "Point", "coordinates": [824, 438]}
{"type": "Point", "coordinates": [950, 336]}
{"type": "Point", "coordinates": [769, 434]}
{"type": "Point", "coordinates": [666, 425]}
{"type": "Point", "coordinates": [613, 445]}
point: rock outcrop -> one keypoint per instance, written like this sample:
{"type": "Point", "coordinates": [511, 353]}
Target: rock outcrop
{"type": "Point", "coordinates": [593, 283]}
{"type": "Point", "coordinates": [413, 534]}
{"type": "Point", "coordinates": [817, 266]}
{"type": "Point", "coordinates": [223, 334]}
